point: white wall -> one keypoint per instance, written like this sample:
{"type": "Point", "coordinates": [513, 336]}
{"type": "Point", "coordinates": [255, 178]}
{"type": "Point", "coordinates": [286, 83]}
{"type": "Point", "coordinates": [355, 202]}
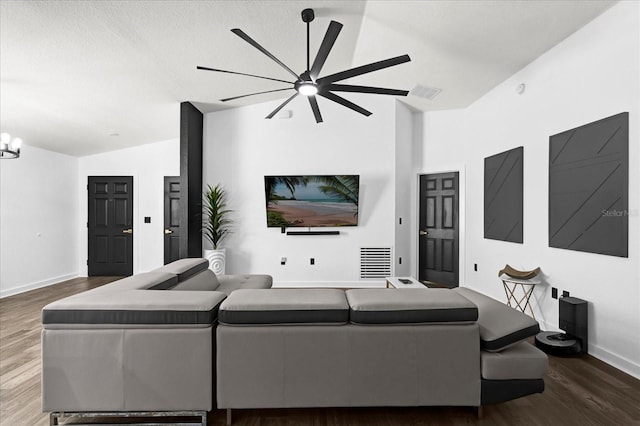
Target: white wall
{"type": "Point", "coordinates": [38, 220]}
{"type": "Point", "coordinates": [148, 164]}
{"type": "Point", "coordinates": [591, 75]}
{"type": "Point", "coordinates": [241, 147]}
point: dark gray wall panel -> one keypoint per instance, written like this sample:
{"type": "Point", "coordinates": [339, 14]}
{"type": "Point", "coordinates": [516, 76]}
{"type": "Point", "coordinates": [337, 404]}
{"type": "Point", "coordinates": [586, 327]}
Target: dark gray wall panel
{"type": "Point", "coordinates": [503, 197]}
{"type": "Point", "coordinates": [588, 187]}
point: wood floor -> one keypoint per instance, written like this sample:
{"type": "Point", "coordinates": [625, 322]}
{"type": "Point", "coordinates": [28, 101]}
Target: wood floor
{"type": "Point", "coordinates": [579, 391]}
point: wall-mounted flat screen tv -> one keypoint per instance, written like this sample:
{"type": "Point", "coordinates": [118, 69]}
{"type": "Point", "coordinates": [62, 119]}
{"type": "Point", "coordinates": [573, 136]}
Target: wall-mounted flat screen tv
{"type": "Point", "coordinates": [312, 201]}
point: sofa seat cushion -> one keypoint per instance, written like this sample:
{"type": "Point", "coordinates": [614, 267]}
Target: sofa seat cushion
{"type": "Point", "coordinates": [500, 325]}
{"type": "Point", "coordinates": [141, 307]}
{"type": "Point", "coordinates": [409, 306]}
{"type": "Point", "coordinates": [229, 283]}
{"type": "Point", "coordinates": [285, 306]}
{"type": "Point", "coordinates": [185, 268]}
{"type": "Point", "coordinates": [202, 281]}
{"type": "Point", "coordinates": [520, 361]}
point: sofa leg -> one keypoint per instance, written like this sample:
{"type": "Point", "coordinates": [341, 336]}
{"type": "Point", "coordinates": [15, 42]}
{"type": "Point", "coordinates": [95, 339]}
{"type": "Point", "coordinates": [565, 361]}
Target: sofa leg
{"type": "Point", "coordinates": [53, 419]}
{"type": "Point", "coordinates": [479, 412]}
{"type": "Point", "coordinates": [228, 416]}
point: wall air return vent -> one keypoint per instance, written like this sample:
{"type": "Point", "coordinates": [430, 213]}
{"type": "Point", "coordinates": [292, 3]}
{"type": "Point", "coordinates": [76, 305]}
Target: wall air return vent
{"type": "Point", "coordinates": [425, 92]}
{"type": "Point", "coordinates": [375, 262]}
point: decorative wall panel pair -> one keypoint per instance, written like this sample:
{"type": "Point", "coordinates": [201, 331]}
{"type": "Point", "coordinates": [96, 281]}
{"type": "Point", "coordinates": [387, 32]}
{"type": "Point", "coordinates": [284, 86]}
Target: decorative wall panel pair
{"type": "Point", "coordinates": [588, 187]}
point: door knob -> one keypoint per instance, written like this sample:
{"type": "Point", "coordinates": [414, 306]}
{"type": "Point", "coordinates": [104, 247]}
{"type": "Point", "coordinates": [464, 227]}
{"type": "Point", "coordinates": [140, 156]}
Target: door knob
{"type": "Point", "coordinates": [168, 231]}
{"type": "Point", "coordinates": [423, 233]}
{"type": "Point", "coordinates": [127, 231]}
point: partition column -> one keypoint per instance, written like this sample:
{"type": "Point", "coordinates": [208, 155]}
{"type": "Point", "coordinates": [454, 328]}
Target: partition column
{"type": "Point", "coordinates": [190, 180]}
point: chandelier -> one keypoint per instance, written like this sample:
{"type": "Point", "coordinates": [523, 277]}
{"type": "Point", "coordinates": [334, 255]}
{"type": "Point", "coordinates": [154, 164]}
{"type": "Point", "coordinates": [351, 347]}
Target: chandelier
{"type": "Point", "coordinates": [9, 148]}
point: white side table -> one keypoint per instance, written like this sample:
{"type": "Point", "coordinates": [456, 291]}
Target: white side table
{"type": "Point", "coordinates": [519, 299]}
{"type": "Point", "coordinates": [394, 282]}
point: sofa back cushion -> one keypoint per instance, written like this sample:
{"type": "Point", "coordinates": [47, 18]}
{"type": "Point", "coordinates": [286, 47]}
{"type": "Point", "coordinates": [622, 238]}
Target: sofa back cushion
{"type": "Point", "coordinates": [184, 268]}
{"type": "Point", "coordinates": [154, 280]}
{"type": "Point", "coordinates": [409, 306]}
{"type": "Point", "coordinates": [285, 306]}
{"type": "Point", "coordinates": [202, 281]}
{"type": "Point", "coordinates": [501, 326]}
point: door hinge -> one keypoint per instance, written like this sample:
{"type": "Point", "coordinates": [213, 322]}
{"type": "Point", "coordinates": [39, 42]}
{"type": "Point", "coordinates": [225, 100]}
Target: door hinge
{"type": "Point", "coordinates": [87, 262]}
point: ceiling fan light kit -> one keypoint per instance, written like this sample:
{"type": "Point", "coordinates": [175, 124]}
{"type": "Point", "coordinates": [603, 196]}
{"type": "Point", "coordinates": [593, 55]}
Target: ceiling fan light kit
{"type": "Point", "coordinates": [309, 84]}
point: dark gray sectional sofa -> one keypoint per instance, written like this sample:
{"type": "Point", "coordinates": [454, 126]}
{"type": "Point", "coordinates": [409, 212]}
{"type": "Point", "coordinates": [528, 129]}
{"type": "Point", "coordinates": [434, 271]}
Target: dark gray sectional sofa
{"type": "Point", "coordinates": [181, 341]}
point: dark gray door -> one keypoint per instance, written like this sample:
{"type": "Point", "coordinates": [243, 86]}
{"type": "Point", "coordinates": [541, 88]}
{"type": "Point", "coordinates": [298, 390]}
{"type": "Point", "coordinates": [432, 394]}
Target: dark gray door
{"type": "Point", "coordinates": [438, 246]}
{"type": "Point", "coordinates": [110, 226]}
{"type": "Point", "coordinates": [171, 218]}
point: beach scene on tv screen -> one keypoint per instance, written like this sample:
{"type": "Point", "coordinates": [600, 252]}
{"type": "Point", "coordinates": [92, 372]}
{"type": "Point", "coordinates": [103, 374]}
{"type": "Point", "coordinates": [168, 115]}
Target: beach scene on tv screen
{"type": "Point", "coordinates": [310, 201]}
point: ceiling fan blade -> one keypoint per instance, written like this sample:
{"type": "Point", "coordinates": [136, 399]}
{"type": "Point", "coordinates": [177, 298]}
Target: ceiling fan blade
{"type": "Point", "coordinates": [275, 111]}
{"type": "Point", "coordinates": [364, 69]}
{"type": "Point", "coordinates": [316, 110]}
{"type": "Point", "coordinates": [257, 93]}
{"type": "Point", "coordinates": [342, 101]}
{"type": "Point", "coordinates": [242, 73]}
{"type": "Point", "coordinates": [365, 89]}
{"type": "Point", "coordinates": [327, 43]}
{"type": "Point", "coordinates": [255, 44]}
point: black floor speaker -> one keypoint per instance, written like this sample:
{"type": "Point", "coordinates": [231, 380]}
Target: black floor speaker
{"type": "Point", "coordinates": [573, 317]}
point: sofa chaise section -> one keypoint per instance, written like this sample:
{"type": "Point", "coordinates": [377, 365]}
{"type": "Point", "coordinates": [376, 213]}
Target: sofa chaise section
{"type": "Point", "coordinates": [510, 366]}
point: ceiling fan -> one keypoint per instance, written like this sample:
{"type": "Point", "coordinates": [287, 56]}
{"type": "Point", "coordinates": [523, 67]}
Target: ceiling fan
{"type": "Point", "coordinates": [309, 84]}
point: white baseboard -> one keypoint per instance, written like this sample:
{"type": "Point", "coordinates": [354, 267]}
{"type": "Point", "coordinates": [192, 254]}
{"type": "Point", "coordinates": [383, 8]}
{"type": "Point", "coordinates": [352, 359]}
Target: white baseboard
{"type": "Point", "coordinates": [604, 355]}
{"type": "Point", "coordinates": [623, 364]}
{"type": "Point", "coordinates": [33, 286]}
{"type": "Point", "coordinates": [330, 284]}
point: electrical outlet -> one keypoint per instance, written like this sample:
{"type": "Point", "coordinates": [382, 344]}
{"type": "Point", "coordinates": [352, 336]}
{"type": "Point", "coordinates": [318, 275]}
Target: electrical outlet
{"type": "Point", "coordinates": [554, 293]}
{"type": "Point", "coordinates": [283, 260]}
{"type": "Point", "coordinates": [475, 267]}
{"type": "Point", "coordinates": [565, 293]}
{"type": "Point", "coordinates": [312, 261]}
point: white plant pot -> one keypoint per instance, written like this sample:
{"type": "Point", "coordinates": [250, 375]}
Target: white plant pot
{"type": "Point", "coordinates": [217, 259]}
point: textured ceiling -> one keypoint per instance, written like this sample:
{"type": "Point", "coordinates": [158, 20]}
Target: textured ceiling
{"type": "Point", "coordinates": [83, 77]}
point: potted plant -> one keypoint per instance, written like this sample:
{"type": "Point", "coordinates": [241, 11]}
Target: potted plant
{"type": "Point", "coordinates": [216, 226]}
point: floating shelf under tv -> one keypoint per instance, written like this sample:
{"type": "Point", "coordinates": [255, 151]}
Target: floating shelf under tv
{"type": "Point", "coordinates": [313, 232]}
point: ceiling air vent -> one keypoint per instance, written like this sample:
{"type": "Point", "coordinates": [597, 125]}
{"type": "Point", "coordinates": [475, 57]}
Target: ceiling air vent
{"type": "Point", "coordinates": [375, 262]}
{"type": "Point", "coordinates": [425, 92]}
